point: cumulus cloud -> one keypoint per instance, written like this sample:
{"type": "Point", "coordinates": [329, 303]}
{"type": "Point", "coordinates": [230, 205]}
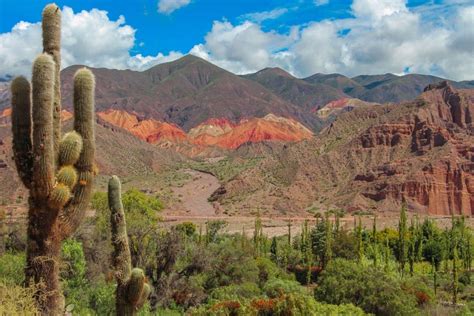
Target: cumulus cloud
{"type": "Point", "coordinates": [259, 17]}
{"type": "Point", "coordinates": [88, 37]}
{"type": "Point", "coordinates": [242, 48]}
{"type": "Point", "coordinates": [320, 2]}
{"type": "Point", "coordinates": [168, 6]}
{"type": "Point", "coordinates": [140, 62]}
{"type": "Point", "coordinates": [382, 36]}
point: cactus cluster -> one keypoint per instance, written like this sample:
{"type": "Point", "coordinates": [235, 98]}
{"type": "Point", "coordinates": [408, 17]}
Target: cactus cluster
{"type": "Point", "coordinates": [58, 172]}
{"type": "Point", "coordinates": [132, 286]}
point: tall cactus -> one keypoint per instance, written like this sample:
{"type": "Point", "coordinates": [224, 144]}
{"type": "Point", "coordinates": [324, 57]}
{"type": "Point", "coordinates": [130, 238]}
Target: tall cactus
{"type": "Point", "coordinates": [60, 189]}
{"type": "Point", "coordinates": [132, 287]}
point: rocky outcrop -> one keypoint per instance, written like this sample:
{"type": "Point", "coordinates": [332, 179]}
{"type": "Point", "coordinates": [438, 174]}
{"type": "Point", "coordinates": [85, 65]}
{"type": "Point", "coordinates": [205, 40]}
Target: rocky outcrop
{"type": "Point", "coordinates": [439, 176]}
{"type": "Point", "coordinates": [214, 132]}
{"type": "Point", "coordinates": [150, 130]}
{"type": "Point", "coordinates": [373, 157]}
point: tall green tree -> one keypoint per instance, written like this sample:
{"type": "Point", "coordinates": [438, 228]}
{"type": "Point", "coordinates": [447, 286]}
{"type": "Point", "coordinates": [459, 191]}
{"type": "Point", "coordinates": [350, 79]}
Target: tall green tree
{"type": "Point", "coordinates": [360, 241]}
{"type": "Point", "coordinates": [374, 240]}
{"type": "Point", "coordinates": [328, 241]}
{"type": "Point", "coordinates": [402, 239]}
{"type": "Point", "coordinates": [411, 247]}
{"type": "Point", "coordinates": [274, 249]}
{"type": "Point", "coordinates": [455, 275]}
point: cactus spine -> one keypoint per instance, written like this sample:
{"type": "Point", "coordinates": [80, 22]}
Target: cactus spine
{"type": "Point", "coordinates": [57, 199]}
{"type": "Point", "coordinates": [132, 287]}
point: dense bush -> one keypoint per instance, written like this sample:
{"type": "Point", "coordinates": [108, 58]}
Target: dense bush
{"type": "Point", "coordinates": [17, 300]}
{"type": "Point", "coordinates": [375, 291]}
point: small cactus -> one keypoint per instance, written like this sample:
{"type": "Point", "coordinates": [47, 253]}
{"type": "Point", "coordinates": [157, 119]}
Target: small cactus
{"type": "Point", "coordinates": [132, 287]}
{"type": "Point", "coordinates": [59, 196]}
{"type": "Point", "coordinates": [70, 148]}
{"type": "Point", "coordinates": [68, 176]}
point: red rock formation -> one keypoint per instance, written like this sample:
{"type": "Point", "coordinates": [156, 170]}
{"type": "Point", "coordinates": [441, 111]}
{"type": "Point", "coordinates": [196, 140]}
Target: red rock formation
{"type": "Point", "coordinates": [225, 134]}
{"type": "Point", "coordinates": [269, 128]}
{"type": "Point", "coordinates": [439, 178]}
{"type": "Point", "coordinates": [6, 114]}
{"type": "Point", "coordinates": [152, 131]}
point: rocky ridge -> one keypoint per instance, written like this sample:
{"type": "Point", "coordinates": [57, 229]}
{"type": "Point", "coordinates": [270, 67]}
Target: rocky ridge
{"type": "Point", "coordinates": [374, 157]}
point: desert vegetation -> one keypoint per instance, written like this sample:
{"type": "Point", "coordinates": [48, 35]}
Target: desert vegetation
{"type": "Point", "coordinates": [415, 268]}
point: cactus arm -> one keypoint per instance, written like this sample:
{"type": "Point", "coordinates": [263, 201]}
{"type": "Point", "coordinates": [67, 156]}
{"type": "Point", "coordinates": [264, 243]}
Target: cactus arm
{"type": "Point", "coordinates": [52, 45]}
{"type": "Point", "coordinates": [121, 255]}
{"type": "Point", "coordinates": [43, 150]}
{"type": "Point", "coordinates": [84, 120]}
{"type": "Point", "coordinates": [21, 128]}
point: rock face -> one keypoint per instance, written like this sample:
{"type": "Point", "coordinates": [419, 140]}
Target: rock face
{"type": "Point", "coordinates": [439, 133]}
{"type": "Point", "coordinates": [338, 106]}
{"type": "Point", "coordinates": [376, 157]}
{"type": "Point", "coordinates": [214, 132]}
{"type": "Point", "coordinates": [150, 130]}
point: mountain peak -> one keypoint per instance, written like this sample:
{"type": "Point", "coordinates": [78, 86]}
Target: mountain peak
{"type": "Point", "coordinates": [274, 71]}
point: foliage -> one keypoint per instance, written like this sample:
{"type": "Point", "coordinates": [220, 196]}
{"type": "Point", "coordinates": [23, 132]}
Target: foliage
{"type": "Point", "coordinates": [344, 282]}
{"type": "Point", "coordinates": [17, 300]}
{"type": "Point", "coordinates": [73, 274]}
{"type": "Point", "coordinates": [12, 267]}
{"type": "Point", "coordinates": [141, 213]}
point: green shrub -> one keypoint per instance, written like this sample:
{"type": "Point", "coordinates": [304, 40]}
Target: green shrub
{"type": "Point", "coordinates": [17, 300]}
{"type": "Point", "coordinates": [73, 275]}
{"type": "Point", "coordinates": [346, 282]}
{"type": "Point", "coordinates": [242, 291]}
{"type": "Point", "coordinates": [12, 266]}
{"type": "Point", "coordinates": [102, 298]}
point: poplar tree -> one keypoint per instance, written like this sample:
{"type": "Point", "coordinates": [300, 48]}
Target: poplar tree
{"type": "Point", "coordinates": [274, 249]}
{"type": "Point", "coordinates": [360, 241]}
{"type": "Point", "coordinates": [374, 240]}
{"type": "Point", "coordinates": [402, 239]}
{"type": "Point", "coordinates": [328, 241]}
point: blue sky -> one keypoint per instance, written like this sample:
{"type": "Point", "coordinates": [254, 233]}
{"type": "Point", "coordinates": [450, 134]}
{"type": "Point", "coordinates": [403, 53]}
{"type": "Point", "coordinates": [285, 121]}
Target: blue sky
{"type": "Point", "coordinates": [184, 27]}
{"type": "Point", "coordinates": [301, 36]}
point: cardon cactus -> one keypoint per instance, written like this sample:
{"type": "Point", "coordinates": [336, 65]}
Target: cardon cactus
{"type": "Point", "coordinates": [58, 173]}
{"type": "Point", "coordinates": [132, 287]}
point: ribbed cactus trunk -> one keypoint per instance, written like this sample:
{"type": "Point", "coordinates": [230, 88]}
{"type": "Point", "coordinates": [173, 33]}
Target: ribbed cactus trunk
{"type": "Point", "coordinates": [58, 173]}
{"type": "Point", "coordinates": [132, 288]}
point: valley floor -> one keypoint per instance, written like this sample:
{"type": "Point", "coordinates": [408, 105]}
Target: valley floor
{"type": "Point", "coordinates": [192, 205]}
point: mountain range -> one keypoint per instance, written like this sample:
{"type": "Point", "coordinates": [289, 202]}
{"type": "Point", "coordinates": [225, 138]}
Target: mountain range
{"type": "Point", "coordinates": [190, 90]}
{"type": "Point", "coordinates": [368, 142]}
{"type": "Point", "coordinates": [374, 157]}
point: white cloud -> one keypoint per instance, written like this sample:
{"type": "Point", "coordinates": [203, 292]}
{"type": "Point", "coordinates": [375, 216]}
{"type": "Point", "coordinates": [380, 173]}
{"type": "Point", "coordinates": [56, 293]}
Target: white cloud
{"type": "Point", "coordinates": [387, 37]}
{"type": "Point", "coordinates": [382, 36]}
{"type": "Point", "coordinates": [88, 37]}
{"type": "Point", "coordinates": [377, 9]}
{"type": "Point", "coordinates": [259, 17]}
{"type": "Point", "coordinates": [242, 48]}
{"type": "Point", "coordinates": [140, 62]}
{"type": "Point", "coordinates": [320, 2]}
{"type": "Point", "coordinates": [168, 6]}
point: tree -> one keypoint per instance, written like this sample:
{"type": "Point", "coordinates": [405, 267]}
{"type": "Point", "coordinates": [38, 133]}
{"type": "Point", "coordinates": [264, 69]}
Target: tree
{"type": "Point", "coordinates": [328, 241]}
{"type": "Point", "coordinates": [360, 241]}
{"type": "Point", "coordinates": [402, 239]}
{"type": "Point", "coordinates": [58, 172]}
{"type": "Point", "coordinates": [274, 249]}
{"type": "Point", "coordinates": [455, 275]}
{"type": "Point", "coordinates": [412, 247]}
{"type": "Point", "coordinates": [374, 240]}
